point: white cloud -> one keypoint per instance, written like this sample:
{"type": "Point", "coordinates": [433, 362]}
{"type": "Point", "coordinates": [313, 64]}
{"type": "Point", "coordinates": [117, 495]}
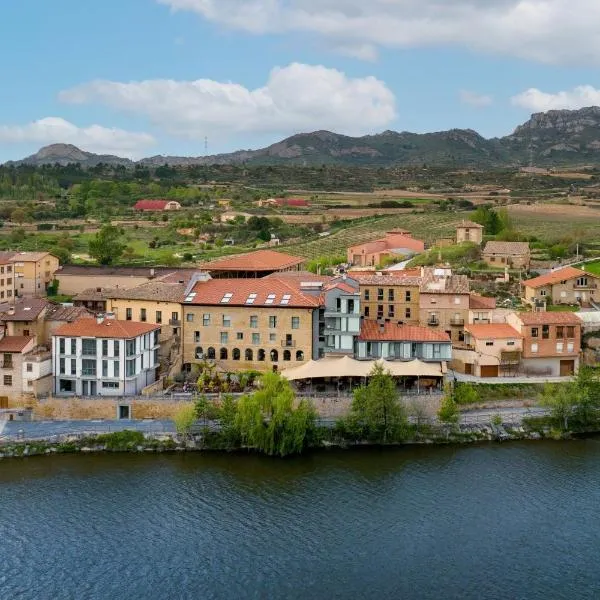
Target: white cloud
{"type": "Point", "coordinates": [102, 140]}
{"type": "Point", "coordinates": [548, 31]}
{"type": "Point", "coordinates": [538, 101]}
{"type": "Point", "coordinates": [295, 98]}
{"type": "Point", "coordinates": [474, 99]}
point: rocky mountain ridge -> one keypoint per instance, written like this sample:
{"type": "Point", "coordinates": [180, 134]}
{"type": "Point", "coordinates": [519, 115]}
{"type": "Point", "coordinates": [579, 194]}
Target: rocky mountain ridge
{"type": "Point", "coordinates": [551, 138]}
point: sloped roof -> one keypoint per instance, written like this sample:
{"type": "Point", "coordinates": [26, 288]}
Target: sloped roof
{"type": "Point", "coordinates": [549, 318]}
{"type": "Point", "coordinates": [394, 240]}
{"type": "Point", "coordinates": [93, 294]}
{"type": "Point", "coordinates": [481, 302]}
{"type": "Point", "coordinates": [557, 276]}
{"type": "Point", "coordinates": [470, 225]}
{"type": "Point", "coordinates": [511, 248]}
{"type": "Point", "coordinates": [5, 257]}
{"type": "Point", "coordinates": [14, 343]}
{"type": "Point", "coordinates": [372, 331]}
{"type": "Point", "coordinates": [261, 260]}
{"type": "Point", "coordinates": [66, 313]}
{"type": "Point", "coordinates": [486, 331]}
{"type": "Point", "coordinates": [273, 292]}
{"type": "Point", "coordinates": [385, 279]}
{"type": "Point", "coordinates": [435, 284]}
{"type": "Point", "coordinates": [27, 309]}
{"type": "Point", "coordinates": [151, 204]}
{"type": "Point", "coordinates": [158, 291]}
{"type": "Point", "coordinates": [108, 328]}
{"type": "Point", "coordinates": [29, 256]}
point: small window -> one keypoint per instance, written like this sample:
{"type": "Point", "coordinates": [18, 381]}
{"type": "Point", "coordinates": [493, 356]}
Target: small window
{"type": "Point", "coordinates": [143, 315]}
{"type": "Point", "coordinates": [272, 337]}
{"type": "Point", "coordinates": [158, 316]}
{"type": "Point", "coordinates": [273, 322]}
{"type": "Point", "coordinates": [29, 367]}
{"type": "Point", "coordinates": [236, 354]}
{"type": "Point", "coordinates": [560, 332]}
{"type": "Point", "coordinates": [407, 296]}
{"type": "Point", "coordinates": [535, 332]}
{"type": "Point", "coordinates": [256, 338]}
{"type": "Point", "coordinates": [226, 321]}
{"type": "Point", "coordinates": [8, 380]}
{"type": "Point", "coordinates": [534, 348]}
{"type": "Point", "coordinates": [116, 348]}
{"type": "Point", "coordinates": [407, 313]}
{"type": "Point", "coordinates": [511, 343]}
{"type": "Point", "coordinates": [206, 320]}
{"type": "Point", "coordinates": [390, 295]}
{"type": "Point", "coordinates": [189, 317]}
{"type": "Point", "coordinates": [570, 346]}
{"type": "Point", "coordinates": [560, 346]}
{"type": "Point", "coordinates": [571, 332]}
{"type": "Point", "coordinates": [367, 295]}
{"type": "Point", "coordinates": [61, 345]}
{"type": "Point", "coordinates": [489, 343]}
{"type": "Point", "coordinates": [212, 354]}
{"type": "Point", "coordinates": [254, 321]}
{"type": "Point", "coordinates": [295, 322]}
{"type": "Point", "coordinates": [380, 294]}
{"type": "Point", "coordinates": [299, 356]}
{"type": "Point", "coordinates": [287, 355]}
{"type": "Point", "coordinates": [239, 335]}
{"type": "Point", "coordinates": [128, 314]}
{"type": "Point", "coordinates": [249, 355]}
{"type": "Point", "coordinates": [367, 311]}
{"type": "Point", "coordinates": [224, 337]}
{"type": "Point", "coordinates": [223, 354]}
{"type": "Point", "coordinates": [545, 332]}
{"type": "Point", "coordinates": [196, 337]}
{"type": "Point", "coordinates": [391, 311]}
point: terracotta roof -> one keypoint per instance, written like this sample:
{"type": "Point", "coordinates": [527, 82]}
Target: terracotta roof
{"type": "Point", "coordinates": [392, 241]}
{"type": "Point", "coordinates": [486, 331]}
{"type": "Point", "coordinates": [29, 256]}
{"type": "Point", "coordinates": [66, 313]}
{"type": "Point", "coordinates": [151, 204]}
{"type": "Point", "coordinates": [470, 225]}
{"type": "Point", "coordinates": [511, 248]}
{"type": "Point", "coordinates": [549, 318]}
{"type": "Point", "coordinates": [5, 257]}
{"type": "Point", "coordinates": [416, 272]}
{"type": "Point", "coordinates": [28, 309]}
{"type": "Point", "coordinates": [158, 291]}
{"type": "Point", "coordinates": [14, 343]}
{"type": "Point", "coordinates": [556, 277]}
{"type": "Point", "coordinates": [261, 260]}
{"type": "Point", "coordinates": [372, 331]}
{"type": "Point", "coordinates": [291, 202]}
{"type": "Point", "coordinates": [481, 302]}
{"type": "Point", "coordinates": [300, 276]}
{"type": "Point", "coordinates": [340, 285]}
{"type": "Point", "coordinates": [284, 292]}
{"type": "Point", "coordinates": [108, 328]}
{"type": "Point", "coordinates": [385, 279]}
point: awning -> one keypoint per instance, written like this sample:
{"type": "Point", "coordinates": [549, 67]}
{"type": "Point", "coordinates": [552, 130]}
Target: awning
{"type": "Point", "coordinates": [349, 367]}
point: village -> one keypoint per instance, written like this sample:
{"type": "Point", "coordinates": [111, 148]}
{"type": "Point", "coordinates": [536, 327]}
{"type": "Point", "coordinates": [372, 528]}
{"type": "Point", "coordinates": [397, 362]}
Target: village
{"type": "Point", "coordinates": [144, 332]}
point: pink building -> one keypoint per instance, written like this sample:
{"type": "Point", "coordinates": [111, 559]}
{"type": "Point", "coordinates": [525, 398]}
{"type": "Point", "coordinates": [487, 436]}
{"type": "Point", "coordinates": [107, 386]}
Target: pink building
{"type": "Point", "coordinates": [397, 243]}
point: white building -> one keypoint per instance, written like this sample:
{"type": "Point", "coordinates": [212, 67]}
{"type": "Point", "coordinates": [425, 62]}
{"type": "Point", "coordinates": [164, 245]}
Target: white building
{"type": "Point", "coordinates": [104, 357]}
{"type": "Point", "coordinates": [342, 317]}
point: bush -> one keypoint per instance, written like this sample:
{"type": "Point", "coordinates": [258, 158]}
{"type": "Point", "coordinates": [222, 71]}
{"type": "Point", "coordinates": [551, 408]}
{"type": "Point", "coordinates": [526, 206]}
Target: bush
{"type": "Point", "coordinates": [121, 440]}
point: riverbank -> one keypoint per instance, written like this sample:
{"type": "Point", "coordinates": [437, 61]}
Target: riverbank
{"type": "Point", "coordinates": [138, 442]}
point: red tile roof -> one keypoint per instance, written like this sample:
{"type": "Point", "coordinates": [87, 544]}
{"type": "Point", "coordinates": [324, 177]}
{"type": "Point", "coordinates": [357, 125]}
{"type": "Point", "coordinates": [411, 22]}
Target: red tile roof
{"type": "Point", "coordinates": [470, 225]}
{"type": "Point", "coordinates": [14, 343]}
{"type": "Point", "coordinates": [151, 204]}
{"type": "Point", "coordinates": [109, 328]}
{"type": "Point", "coordinates": [284, 293]}
{"type": "Point", "coordinates": [291, 202]}
{"type": "Point", "coordinates": [372, 331]}
{"type": "Point", "coordinates": [393, 241]}
{"type": "Point", "coordinates": [261, 260]}
{"type": "Point", "coordinates": [416, 272]}
{"type": "Point", "coordinates": [481, 302]}
{"type": "Point", "coordinates": [549, 318]}
{"type": "Point", "coordinates": [555, 277]}
{"type": "Point", "coordinates": [486, 331]}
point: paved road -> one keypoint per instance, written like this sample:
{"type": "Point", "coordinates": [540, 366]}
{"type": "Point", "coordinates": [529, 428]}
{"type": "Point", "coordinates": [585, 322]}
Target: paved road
{"type": "Point", "coordinates": [38, 430]}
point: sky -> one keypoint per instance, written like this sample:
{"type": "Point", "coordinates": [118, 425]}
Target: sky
{"type": "Point", "coordinates": [189, 77]}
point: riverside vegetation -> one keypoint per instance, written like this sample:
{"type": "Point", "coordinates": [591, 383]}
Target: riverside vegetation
{"type": "Point", "coordinates": [272, 421]}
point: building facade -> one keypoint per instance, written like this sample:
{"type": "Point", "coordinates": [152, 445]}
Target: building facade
{"type": "Point", "coordinates": [467, 231]}
{"type": "Point", "coordinates": [261, 324]}
{"type": "Point", "coordinates": [514, 255]}
{"type": "Point", "coordinates": [33, 272]}
{"type": "Point", "coordinates": [563, 286]}
{"type": "Point", "coordinates": [387, 297]}
{"type": "Point", "coordinates": [551, 342]}
{"type": "Point", "coordinates": [396, 244]}
{"type": "Point", "coordinates": [104, 357]}
{"type": "Point", "coordinates": [341, 317]}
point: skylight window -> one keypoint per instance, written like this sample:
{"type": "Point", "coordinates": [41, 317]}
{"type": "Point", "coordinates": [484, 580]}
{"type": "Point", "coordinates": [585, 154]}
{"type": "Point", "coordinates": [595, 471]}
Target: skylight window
{"type": "Point", "coordinates": [286, 299]}
{"type": "Point", "coordinates": [251, 299]}
{"type": "Point", "coordinates": [190, 297]}
{"type": "Point", "coordinates": [227, 298]}
{"type": "Point", "coordinates": [270, 299]}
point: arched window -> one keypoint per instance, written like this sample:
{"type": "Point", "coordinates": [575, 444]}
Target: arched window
{"type": "Point", "coordinates": [262, 355]}
{"type": "Point", "coordinates": [300, 355]}
{"type": "Point", "coordinates": [287, 355]}
{"type": "Point", "coordinates": [211, 354]}
{"type": "Point", "coordinates": [236, 354]}
{"type": "Point", "coordinates": [223, 354]}
{"type": "Point", "coordinates": [199, 352]}
{"type": "Point", "coordinates": [274, 356]}
{"type": "Point", "coordinates": [249, 355]}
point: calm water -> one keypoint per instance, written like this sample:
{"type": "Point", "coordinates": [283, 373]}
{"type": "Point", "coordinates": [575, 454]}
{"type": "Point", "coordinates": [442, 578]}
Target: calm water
{"type": "Point", "coordinates": [498, 521]}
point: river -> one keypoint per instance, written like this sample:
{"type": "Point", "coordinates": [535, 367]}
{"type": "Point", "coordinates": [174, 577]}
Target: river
{"type": "Point", "coordinates": [516, 520]}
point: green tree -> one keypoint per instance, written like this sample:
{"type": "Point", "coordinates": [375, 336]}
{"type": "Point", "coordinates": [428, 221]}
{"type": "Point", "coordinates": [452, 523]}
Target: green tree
{"type": "Point", "coordinates": [184, 419]}
{"type": "Point", "coordinates": [205, 409]}
{"type": "Point", "coordinates": [376, 413]}
{"type": "Point", "coordinates": [229, 434]}
{"type": "Point", "coordinates": [269, 421]}
{"type": "Point", "coordinates": [559, 399]}
{"type": "Point", "coordinates": [107, 246]}
{"type": "Point", "coordinates": [18, 216]}
{"type": "Point", "coordinates": [448, 412]}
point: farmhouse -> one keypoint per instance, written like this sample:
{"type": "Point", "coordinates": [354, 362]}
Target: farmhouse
{"type": "Point", "coordinates": [515, 255]}
{"type": "Point", "coordinates": [397, 243]}
{"type": "Point", "coordinates": [467, 231]}
{"type": "Point", "coordinates": [156, 205]}
{"type": "Point", "coordinates": [563, 286]}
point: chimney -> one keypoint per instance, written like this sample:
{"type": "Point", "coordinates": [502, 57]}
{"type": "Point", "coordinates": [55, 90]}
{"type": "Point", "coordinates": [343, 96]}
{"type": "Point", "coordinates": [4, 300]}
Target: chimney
{"type": "Point", "coordinates": [11, 310]}
{"type": "Point", "coordinates": [100, 319]}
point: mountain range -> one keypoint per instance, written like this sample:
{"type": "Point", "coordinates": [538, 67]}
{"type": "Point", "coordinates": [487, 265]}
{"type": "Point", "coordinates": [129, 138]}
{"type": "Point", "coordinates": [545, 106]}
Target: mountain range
{"type": "Point", "coordinates": [556, 137]}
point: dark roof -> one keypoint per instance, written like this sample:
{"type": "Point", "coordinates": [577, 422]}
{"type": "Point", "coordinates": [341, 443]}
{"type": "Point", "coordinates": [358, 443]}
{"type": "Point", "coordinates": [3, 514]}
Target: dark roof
{"type": "Point", "coordinates": [27, 309]}
{"type": "Point", "coordinates": [261, 260]}
{"type": "Point", "coordinates": [96, 294]}
{"type": "Point", "coordinates": [153, 290]}
{"type": "Point", "coordinates": [99, 271]}
{"type": "Point", "coordinates": [66, 313]}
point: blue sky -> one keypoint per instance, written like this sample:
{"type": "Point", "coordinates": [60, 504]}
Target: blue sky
{"type": "Point", "coordinates": [145, 77]}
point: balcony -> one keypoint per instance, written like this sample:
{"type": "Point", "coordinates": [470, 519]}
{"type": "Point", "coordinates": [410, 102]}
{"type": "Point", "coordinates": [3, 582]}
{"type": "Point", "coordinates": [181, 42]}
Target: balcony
{"type": "Point", "coordinates": [175, 322]}
{"type": "Point", "coordinates": [481, 321]}
{"type": "Point", "coordinates": [457, 322]}
{"type": "Point", "coordinates": [587, 286]}
{"type": "Point", "coordinates": [7, 364]}
{"type": "Point", "coordinates": [288, 344]}
{"type": "Point", "coordinates": [88, 372]}
{"type": "Point", "coordinates": [337, 315]}
{"type": "Point", "coordinates": [433, 322]}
